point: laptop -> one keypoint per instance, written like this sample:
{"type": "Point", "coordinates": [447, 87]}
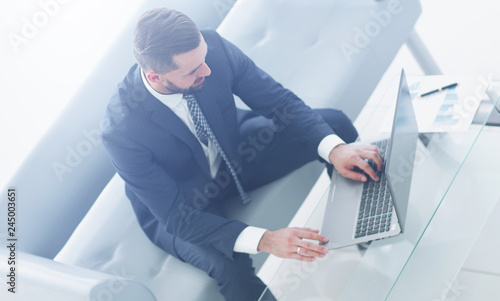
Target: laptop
{"type": "Point", "coordinates": [358, 212]}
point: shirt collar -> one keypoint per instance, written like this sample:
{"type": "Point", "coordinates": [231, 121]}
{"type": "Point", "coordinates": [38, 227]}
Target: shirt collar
{"type": "Point", "coordinates": [170, 100]}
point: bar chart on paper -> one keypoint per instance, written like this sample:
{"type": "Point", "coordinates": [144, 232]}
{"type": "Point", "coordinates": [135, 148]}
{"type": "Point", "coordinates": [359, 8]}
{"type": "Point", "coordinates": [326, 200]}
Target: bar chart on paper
{"type": "Point", "coordinates": [447, 110]}
{"type": "Point", "coordinates": [446, 101]}
{"type": "Point", "coordinates": [450, 107]}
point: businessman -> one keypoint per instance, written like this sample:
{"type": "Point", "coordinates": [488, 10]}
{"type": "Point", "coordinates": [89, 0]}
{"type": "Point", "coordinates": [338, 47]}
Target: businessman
{"type": "Point", "coordinates": [176, 138]}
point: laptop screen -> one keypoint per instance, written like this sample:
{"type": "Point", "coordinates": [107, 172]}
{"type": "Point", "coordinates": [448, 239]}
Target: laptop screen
{"type": "Point", "coordinates": [401, 156]}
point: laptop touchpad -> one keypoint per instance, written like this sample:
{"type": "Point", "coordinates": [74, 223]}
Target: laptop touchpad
{"type": "Point", "coordinates": [346, 188]}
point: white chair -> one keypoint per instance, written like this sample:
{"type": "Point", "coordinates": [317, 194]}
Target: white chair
{"type": "Point", "coordinates": [330, 53]}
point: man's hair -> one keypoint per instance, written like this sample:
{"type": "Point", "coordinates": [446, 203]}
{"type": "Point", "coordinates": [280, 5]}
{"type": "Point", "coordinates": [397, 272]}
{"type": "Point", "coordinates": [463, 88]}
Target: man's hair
{"type": "Point", "coordinates": [159, 35]}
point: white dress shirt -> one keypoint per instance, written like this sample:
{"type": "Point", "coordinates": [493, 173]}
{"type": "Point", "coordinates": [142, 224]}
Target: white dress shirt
{"type": "Point", "coordinates": [249, 238]}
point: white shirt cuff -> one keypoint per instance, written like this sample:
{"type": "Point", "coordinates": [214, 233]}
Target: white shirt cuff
{"type": "Point", "coordinates": [248, 240]}
{"type": "Point", "coordinates": [327, 144]}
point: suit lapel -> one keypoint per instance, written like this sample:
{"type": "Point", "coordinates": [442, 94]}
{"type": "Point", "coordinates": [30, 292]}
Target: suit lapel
{"type": "Point", "coordinates": [164, 117]}
{"type": "Point", "coordinates": [167, 119]}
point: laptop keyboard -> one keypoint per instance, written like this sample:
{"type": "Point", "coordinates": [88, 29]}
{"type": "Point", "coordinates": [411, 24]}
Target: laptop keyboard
{"type": "Point", "coordinates": [375, 210]}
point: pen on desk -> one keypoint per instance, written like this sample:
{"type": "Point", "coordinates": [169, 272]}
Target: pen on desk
{"type": "Point", "coordinates": [438, 90]}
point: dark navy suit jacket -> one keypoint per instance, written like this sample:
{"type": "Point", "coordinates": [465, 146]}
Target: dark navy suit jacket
{"type": "Point", "coordinates": [163, 164]}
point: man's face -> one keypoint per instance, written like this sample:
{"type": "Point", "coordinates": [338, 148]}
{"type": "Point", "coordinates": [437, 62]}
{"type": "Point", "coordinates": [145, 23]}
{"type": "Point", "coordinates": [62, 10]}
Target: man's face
{"type": "Point", "coordinates": [190, 74]}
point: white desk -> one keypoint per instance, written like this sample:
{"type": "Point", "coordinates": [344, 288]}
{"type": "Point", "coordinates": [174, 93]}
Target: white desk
{"type": "Point", "coordinates": [453, 192]}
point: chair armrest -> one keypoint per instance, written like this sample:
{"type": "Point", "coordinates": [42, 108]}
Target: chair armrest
{"type": "Point", "coordinates": [42, 279]}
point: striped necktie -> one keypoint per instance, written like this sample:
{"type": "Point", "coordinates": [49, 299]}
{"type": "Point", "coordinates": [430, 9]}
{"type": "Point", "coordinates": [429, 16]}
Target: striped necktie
{"type": "Point", "coordinates": [204, 132]}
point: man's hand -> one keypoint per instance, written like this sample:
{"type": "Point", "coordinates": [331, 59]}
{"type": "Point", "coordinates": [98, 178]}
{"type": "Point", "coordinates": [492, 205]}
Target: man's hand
{"type": "Point", "coordinates": [288, 243]}
{"type": "Point", "coordinates": [345, 158]}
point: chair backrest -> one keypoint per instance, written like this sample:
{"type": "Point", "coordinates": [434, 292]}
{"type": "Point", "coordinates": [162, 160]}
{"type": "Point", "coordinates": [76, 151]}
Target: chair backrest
{"type": "Point", "coordinates": [330, 53]}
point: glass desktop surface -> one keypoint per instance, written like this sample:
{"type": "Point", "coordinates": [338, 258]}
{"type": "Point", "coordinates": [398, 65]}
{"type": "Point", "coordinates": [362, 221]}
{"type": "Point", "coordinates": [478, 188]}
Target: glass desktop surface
{"type": "Point", "coordinates": [454, 188]}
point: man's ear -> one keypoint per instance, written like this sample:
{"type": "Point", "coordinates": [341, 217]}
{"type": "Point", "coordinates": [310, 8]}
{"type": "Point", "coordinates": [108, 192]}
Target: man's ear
{"type": "Point", "coordinates": [153, 77]}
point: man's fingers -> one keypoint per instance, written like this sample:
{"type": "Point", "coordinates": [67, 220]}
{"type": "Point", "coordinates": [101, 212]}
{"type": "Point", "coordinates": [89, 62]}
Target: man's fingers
{"type": "Point", "coordinates": [296, 243]}
{"type": "Point", "coordinates": [366, 153]}
{"type": "Point", "coordinates": [375, 149]}
{"type": "Point", "coordinates": [309, 230]}
{"type": "Point", "coordinates": [312, 249]}
{"type": "Point", "coordinates": [356, 176]}
{"type": "Point", "coordinates": [300, 248]}
{"type": "Point", "coordinates": [368, 169]}
{"type": "Point", "coordinates": [302, 257]}
{"type": "Point", "coordinates": [306, 252]}
{"type": "Point", "coordinates": [311, 234]}
{"type": "Point", "coordinates": [376, 156]}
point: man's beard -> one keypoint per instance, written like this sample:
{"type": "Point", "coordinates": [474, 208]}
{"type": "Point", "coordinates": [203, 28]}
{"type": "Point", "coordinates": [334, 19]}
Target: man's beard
{"type": "Point", "coordinates": [191, 90]}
